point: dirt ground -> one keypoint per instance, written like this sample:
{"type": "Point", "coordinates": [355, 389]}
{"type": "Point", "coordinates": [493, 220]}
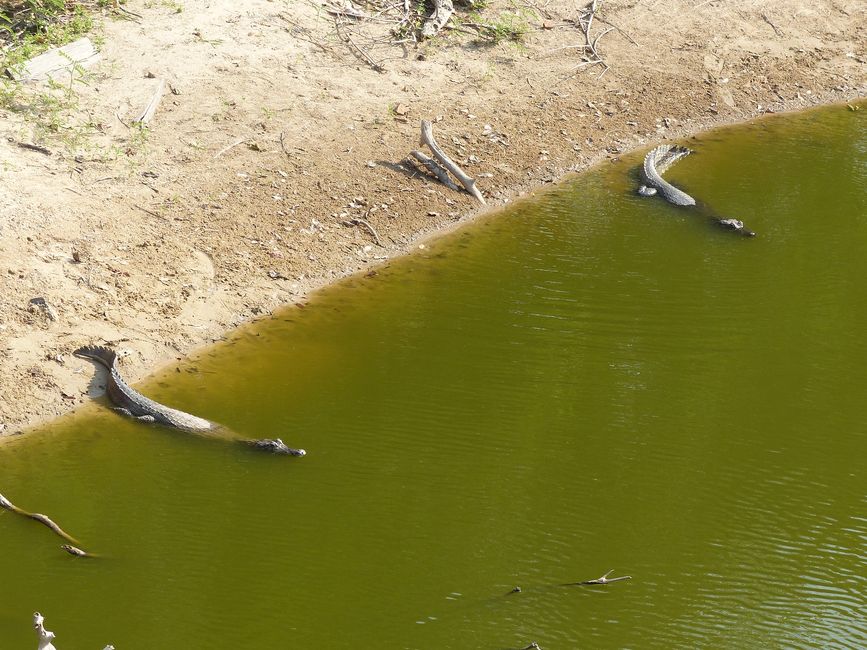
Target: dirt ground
{"type": "Point", "coordinates": [275, 135]}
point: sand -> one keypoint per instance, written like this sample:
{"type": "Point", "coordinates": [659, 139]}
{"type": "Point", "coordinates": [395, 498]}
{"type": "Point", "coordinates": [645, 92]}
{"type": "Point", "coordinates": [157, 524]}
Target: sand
{"type": "Point", "coordinates": [274, 136]}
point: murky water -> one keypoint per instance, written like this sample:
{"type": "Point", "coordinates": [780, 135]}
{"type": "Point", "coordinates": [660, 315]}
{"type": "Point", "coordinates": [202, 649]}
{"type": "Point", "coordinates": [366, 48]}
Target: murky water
{"type": "Point", "coordinates": [586, 382]}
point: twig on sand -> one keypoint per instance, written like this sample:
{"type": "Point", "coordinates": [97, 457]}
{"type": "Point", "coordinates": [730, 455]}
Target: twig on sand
{"type": "Point", "coordinates": [361, 222]}
{"type": "Point", "coordinates": [623, 33]}
{"type": "Point", "coordinates": [591, 56]}
{"type": "Point", "coordinates": [34, 147]}
{"type": "Point", "coordinates": [126, 11]}
{"type": "Point", "coordinates": [229, 146]}
{"type": "Point", "coordinates": [151, 108]}
{"type": "Point", "coordinates": [585, 23]}
{"type": "Point", "coordinates": [777, 30]}
{"type": "Point", "coordinates": [360, 50]}
{"type": "Point", "coordinates": [150, 212]}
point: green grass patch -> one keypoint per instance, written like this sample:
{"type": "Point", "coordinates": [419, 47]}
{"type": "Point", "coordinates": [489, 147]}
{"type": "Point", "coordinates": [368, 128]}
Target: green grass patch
{"type": "Point", "coordinates": [28, 28]}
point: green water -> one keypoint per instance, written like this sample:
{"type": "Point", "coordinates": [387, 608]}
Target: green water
{"type": "Point", "coordinates": [590, 381]}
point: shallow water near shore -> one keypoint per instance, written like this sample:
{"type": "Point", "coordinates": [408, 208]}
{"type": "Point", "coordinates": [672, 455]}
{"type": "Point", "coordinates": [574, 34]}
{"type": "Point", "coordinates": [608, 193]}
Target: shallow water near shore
{"type": "Point", "coordinates": [587, 381]}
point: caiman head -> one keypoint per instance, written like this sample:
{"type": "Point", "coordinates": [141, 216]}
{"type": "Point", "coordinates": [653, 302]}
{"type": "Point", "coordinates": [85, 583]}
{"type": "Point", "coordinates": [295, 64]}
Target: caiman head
{"type": "Point", "coordinates": [736, 225]}
{"type": "Point", "coordinates": [277, 446]}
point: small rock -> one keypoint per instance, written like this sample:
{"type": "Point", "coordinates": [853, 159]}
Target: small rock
{"type": "Point", "coordinates": [39, 305]}
{"type": "Point", "coordinates": [401, 109]}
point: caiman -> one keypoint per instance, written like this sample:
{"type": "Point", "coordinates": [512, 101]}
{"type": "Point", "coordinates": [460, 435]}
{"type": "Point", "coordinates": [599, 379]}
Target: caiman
{"type": "Point", "coordinates": [656, 162]}
{"type": "Point", "coordinates": [133, 404]}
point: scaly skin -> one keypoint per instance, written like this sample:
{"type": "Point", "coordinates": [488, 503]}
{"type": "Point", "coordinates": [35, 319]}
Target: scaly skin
{"type": "Point", "coordinates": [132, 403]}
{"type": "Point", "coordinates": [655, 163]}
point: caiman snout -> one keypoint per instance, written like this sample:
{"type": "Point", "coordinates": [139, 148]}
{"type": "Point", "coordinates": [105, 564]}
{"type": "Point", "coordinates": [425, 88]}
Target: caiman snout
{"type": "Point", "coordinates": [735, 224]}
{"type": "Point", "coordinates": [277, 446]}
{"type": "Point", "coordinates": [281, 448]}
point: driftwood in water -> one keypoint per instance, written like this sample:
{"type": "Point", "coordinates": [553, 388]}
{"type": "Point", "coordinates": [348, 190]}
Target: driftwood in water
{"type": "Point", "coordinates": [604, 580]}
{"type": "Point", "coordinates": [8, 505]}
{"type": "Point", "coordinates": [46, 637]}
{"type": "Point", "coordinates": [468, 183]}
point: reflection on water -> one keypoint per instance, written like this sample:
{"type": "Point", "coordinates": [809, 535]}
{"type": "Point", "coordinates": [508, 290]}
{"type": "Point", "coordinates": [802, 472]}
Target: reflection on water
{"type": "Point", "coordinates": [590, 381]}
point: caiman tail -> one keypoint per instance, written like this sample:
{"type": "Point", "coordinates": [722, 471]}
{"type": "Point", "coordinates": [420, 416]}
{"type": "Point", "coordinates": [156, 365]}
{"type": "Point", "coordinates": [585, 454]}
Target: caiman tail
{"type": "Point", "coordinates": [655, 163]}
{"type": "Point", "coordinates": [130, 402]}
{"type": "Point", "coordinates": [105, 356]}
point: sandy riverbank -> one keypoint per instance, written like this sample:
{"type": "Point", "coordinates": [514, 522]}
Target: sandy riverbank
{"type": "Point", "coordinates": [181, 236]}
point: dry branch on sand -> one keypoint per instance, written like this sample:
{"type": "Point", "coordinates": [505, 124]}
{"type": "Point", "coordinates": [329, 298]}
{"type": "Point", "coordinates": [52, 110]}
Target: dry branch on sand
{"type": "Point", "coordinates": [589, 48]}
{"type": "Point", "coordinates": [147, 114]}
{"type": "Point", "coordinates": [372, 32]}
{"type": "Point", "coordinates": [585, 24]}
{"type": "Point", "coordinates": [443, 163]}
{"type": "Point", "coordinates": [435, 168]}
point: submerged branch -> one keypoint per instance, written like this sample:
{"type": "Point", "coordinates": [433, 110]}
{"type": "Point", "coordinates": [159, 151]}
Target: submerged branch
{"type": "Point", "coordinates": [42, 519]}
{"type": "Point", "coordinates": [602, 580]}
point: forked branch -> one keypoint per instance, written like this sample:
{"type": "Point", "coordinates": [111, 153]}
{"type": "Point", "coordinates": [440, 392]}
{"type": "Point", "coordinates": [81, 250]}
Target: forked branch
{"type": "Point", "coordinates": [465, 180]}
